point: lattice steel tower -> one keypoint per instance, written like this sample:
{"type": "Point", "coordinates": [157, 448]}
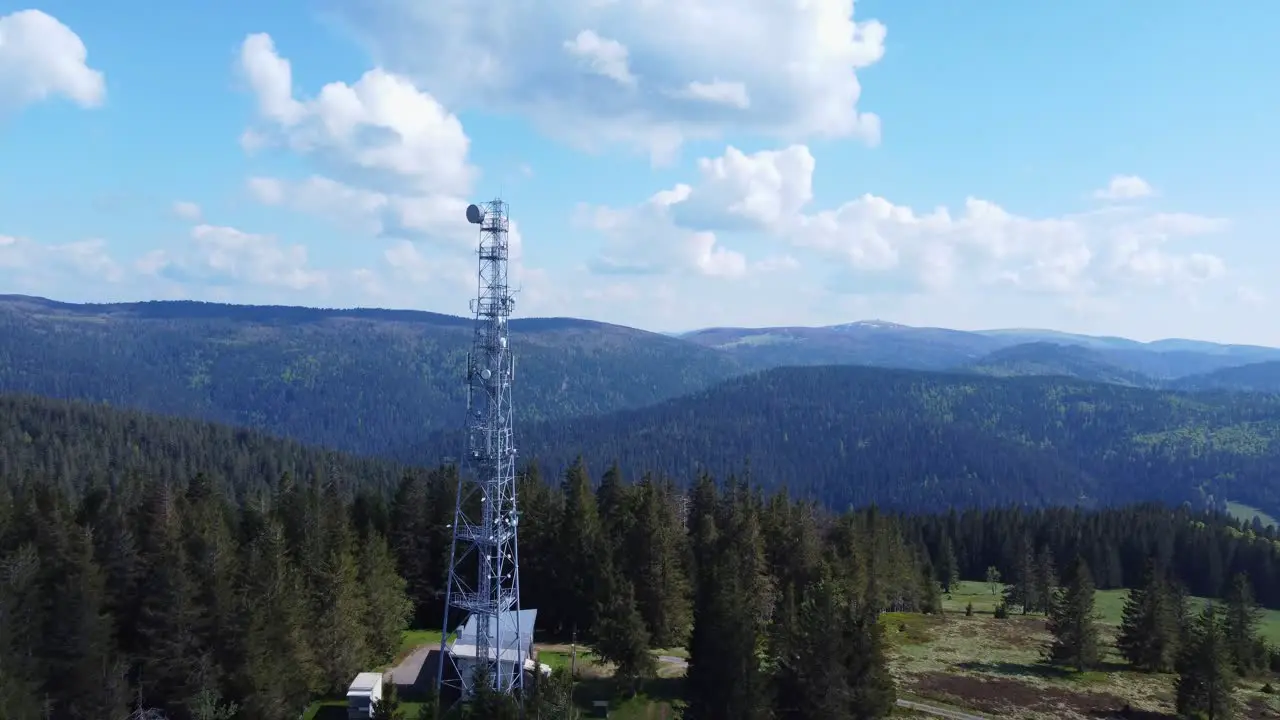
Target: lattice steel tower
{"type": "Point", "coordinates": [484, 571]}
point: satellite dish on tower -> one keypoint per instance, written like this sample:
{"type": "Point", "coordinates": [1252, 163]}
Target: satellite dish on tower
{"type": "Point", "coordinates": [474, 215]}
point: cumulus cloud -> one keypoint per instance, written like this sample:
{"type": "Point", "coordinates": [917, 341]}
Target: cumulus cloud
{"type": "Point", "coordinates": [1124, 187]}
{"type": "Point", "coordinates": [651, 74]}
{"type": "Point", "coordinates": [220, 256]}
{"type": "Point", "coordinates": [981, 244]}
{"type": "Point", "coordinates": [394, 160]}
{"type": "Point", "coordinates": [41, 58]}
{"type": "Point", "coordinates": [394, 165]}
{"type": "Point", "coordinates": [34, 267]}
{"type": "Point", "coordinates": [602, 56]}
{"type": "Point", "coordinates": [381, 129]}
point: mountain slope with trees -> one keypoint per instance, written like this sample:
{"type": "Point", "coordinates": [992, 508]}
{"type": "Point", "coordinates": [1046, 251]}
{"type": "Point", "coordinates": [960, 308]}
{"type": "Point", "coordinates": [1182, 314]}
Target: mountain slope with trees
{"type": "Point", "coordinates": [132, 575]}
{"type": "Point", "coordinates": [1050, 359]}
{"type": "Point", "coordinates": [375, 382]}
{"type": "Point", "coordinates": [1261, 377]}
{"type": "Point", "coordinates": [929, 441]}
{"type": "Point", "coordinates": [363, 381]}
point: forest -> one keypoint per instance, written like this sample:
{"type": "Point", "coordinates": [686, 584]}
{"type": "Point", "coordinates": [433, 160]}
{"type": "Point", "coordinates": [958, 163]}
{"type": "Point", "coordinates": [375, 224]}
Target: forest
{"type": "Point", "coordinates": [248, 590]}
{"type": "Point", "coordinates": [912, 441]}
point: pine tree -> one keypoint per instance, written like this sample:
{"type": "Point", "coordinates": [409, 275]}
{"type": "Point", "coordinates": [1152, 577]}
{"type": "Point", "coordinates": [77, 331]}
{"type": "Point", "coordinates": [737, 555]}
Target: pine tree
{"type": "Point", "coordinates": [83, 672]}
{"type": "Point", "coordinates": [1072, 623]}
{"type": "Point", "coordinates": [339, 632]}
{"type": "Point", "coordinates": [948, 567]}
{"type": "Point", "coordinates": [551, 697]}
{"type": "Point", "coordinates": [167, 621]}
{"type": "Point", "coordinates": [622, 639]}
{"type": "Point", "coordinates": [278, 673]}
{"type": "Point", "coordinates": [657, 550]}
{"type": "Point", "coordinates": [1240, 626]}
{"type": "Point", "coordinates": [388, 708]}
{"type": "Point", "coordinates": [1022, 592]}
{"type": "Point", "coordinates": [1206, 681]}
{"type": "Point", "coordinates": [486, 702]}
{"type": "Point", "coordinates": [1149, 630]}
{"type": "Point", "coordinates": [389, 608]}
{"type": "Point", "coordinates": [866, 668]}
{"type": "Point", "coordinates": [1046, 580]}
{"type": "Point", "coordinates": [584, 553]}
{"type": "Point", "coordinates": [732, 607]}
{"type": "Point", "coordinates": [805, 688]}
{"type": "Point", "coordinates": [21, 619]}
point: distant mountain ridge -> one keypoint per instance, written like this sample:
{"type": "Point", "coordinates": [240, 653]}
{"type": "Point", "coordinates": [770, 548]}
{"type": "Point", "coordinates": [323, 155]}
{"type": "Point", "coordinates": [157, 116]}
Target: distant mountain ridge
{"type": "Point", "coordinates": [375, 381]}
{"type": "Point", "coordinates": [886, 344]}
{"type": "Point", "coordinates": [1051, 359]}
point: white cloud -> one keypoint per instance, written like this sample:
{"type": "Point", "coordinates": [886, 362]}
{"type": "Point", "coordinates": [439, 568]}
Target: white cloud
{"type": "Point", "coordinates": [41, 58]}
{"type": "Point", "coordinates": [35, 266]}
{"type": "Point", "coordinates": [219, 255]}
{"type": "Point", "coordinates": [733, 94]}
{"type": "Point", "coordinates": [645, 240]}
{"type": "Point", "coordinates": [1124, 187]}
{"type": "Point", "coordinates": [187, 210]}
{"type": "Point", "coordinates": [983, 245]}
{"type": "Point", "coordinates": [395, 159]}
{"type": "Point", "coordinates": [381, 130]}
{"type": "Point", "coordinates": [602, 56]}
{"type": "Point", "coordinates": [678, 69]}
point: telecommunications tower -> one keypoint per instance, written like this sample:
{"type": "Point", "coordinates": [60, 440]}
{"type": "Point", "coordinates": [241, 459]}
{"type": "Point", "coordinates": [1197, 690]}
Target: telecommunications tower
{"type": "Point", "coordinates": [484, 569]}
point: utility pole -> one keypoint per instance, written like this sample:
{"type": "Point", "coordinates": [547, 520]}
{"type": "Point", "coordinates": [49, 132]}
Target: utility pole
{"type": "Point", "coordinates": [573, 657]}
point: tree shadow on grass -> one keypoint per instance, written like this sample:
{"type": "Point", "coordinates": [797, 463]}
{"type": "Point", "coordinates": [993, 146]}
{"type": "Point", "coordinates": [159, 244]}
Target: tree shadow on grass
{"type": "Point", "coordinates": [1038, 670]}
{"type": "Point", "coordinates": [1127, 713]}
{"type": "Point", "coordinates": [332, 712]}
{"type": "Point", "coordinates": [589, 690]}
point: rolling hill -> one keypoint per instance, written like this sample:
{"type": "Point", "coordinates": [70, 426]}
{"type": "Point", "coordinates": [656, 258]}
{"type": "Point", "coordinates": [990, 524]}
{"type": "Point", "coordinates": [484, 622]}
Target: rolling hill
{"type": "Point", "coordinates": [377, 382]}
{"type": "Point", "coordinates": [927, 441]}
{"type": "Point", "coordinates": [365, 381]}
{"type": "Point", "coordinates": [860, 343]}
{"type": "Point", "coordinates": [1254, 377]}
{"type": "Point", "coordinates": [885, 344]}
{"type": "Point", "coordinates": [1052, 359]}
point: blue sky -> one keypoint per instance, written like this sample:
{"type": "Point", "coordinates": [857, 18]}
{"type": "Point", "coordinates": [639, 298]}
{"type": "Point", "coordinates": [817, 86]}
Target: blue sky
{"type": "Point", "coordinates": [1087, 166]}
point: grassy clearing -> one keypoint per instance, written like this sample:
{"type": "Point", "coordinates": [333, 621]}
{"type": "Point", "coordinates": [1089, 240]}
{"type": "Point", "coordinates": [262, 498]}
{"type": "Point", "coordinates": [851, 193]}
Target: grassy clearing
{"type": "Point", "coordinates": [658, 699]}
{"type": "Point", "coordinates": [1109, 605]}
{"type": "Point", "coordinates": [994, 666]}
{"type": "Point", "coordinates": [1245, 513]}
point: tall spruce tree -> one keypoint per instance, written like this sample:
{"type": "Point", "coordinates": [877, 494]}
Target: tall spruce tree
{"type": "Point", "coordinates": [866, 667]}
{"type": "Point", "coordinates": [805, 688]}
{"type": "Point", "coordinates": [1241, 617]}
{"type": "Point", "coordinates": [657, 548]}
{"type": "Point", "coordinates": [732, 606]}
{"type": "Point", "coordinates": [1072, 623]}
{"type": "Point", "coordinates": [1149, 626]}
{"type": "Point", "coordinates": [948, 567]}
{"type": "Point", "coordinates": [1023, 591]}
{"type": "Point", "coordinates": [622, 639]}
{"type": "Point", "coordinates": [585, 558]}
{"type": "Point", "coordinates": [1046, 583]}
{"type": "Point", "coordinates": [1206, 682]}
{"type": "Point", "coordinates": [389, 608]}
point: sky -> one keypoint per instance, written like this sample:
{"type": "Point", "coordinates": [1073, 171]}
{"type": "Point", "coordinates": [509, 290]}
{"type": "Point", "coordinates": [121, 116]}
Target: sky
{"type": "Point", "coordinates": [1093, 166]}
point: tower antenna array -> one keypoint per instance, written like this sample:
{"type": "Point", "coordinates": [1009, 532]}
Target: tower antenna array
{"type": "Point", "coordinates": [484, 569]}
